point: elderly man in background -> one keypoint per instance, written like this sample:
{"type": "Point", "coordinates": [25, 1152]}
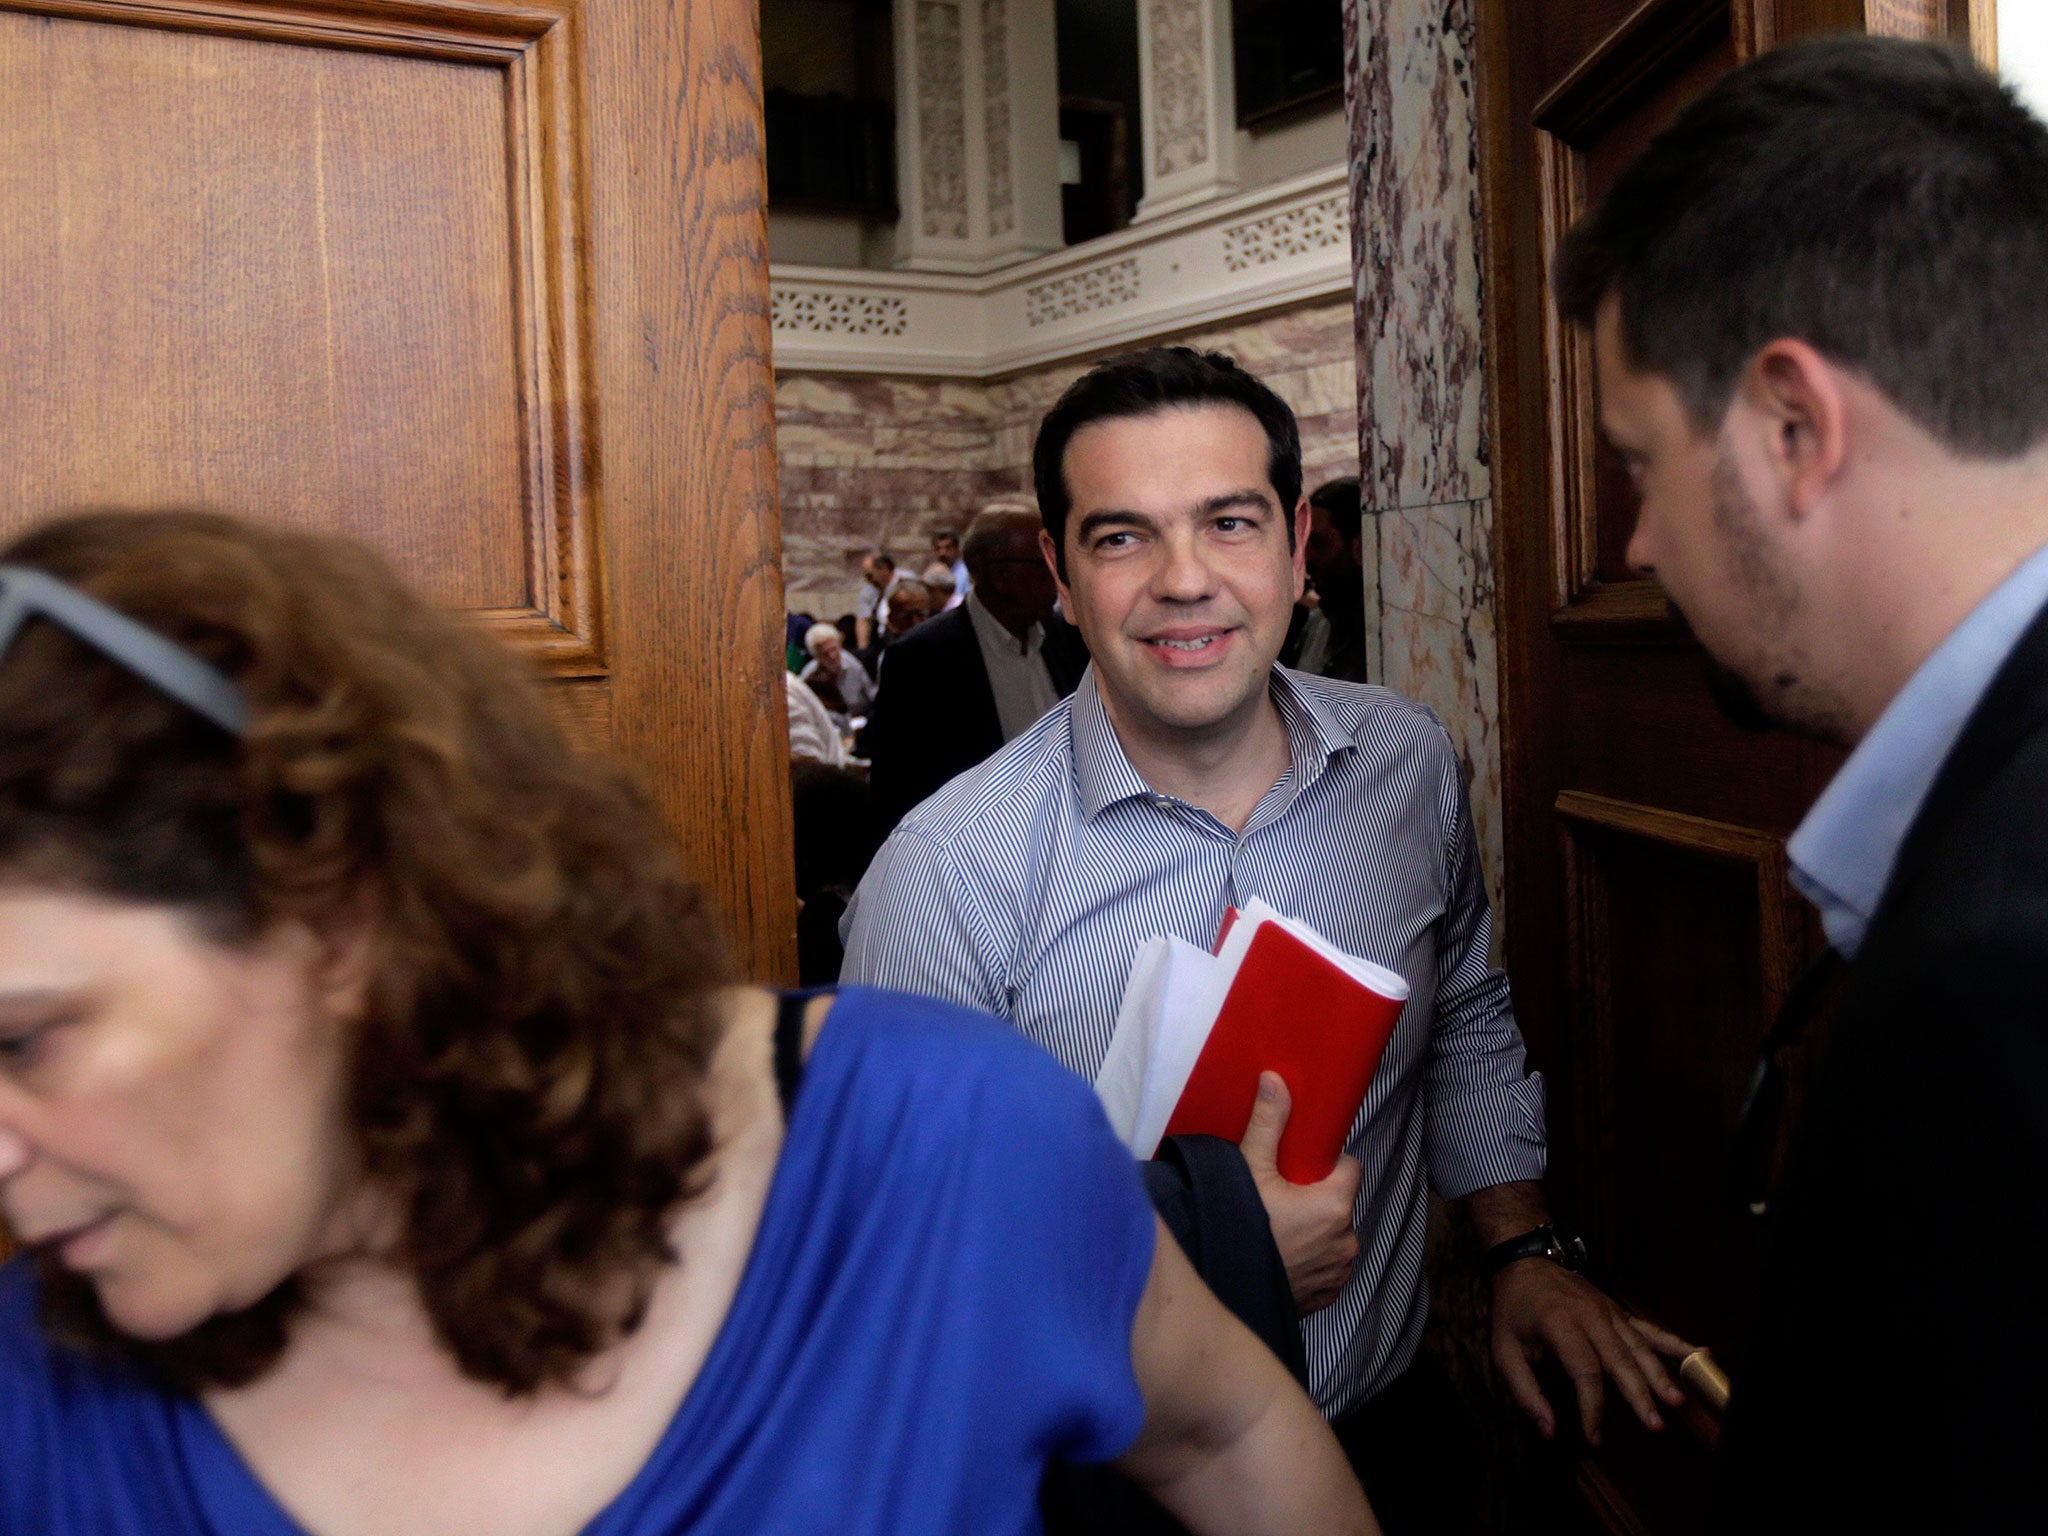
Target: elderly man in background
{"type": "Point", "coordinates": [909, 605]}
{"type": "Point", "coordinates": [976, 677]}
{"type": "Point", "coordinates": [841, 683]}
{"type": "Point", "coordinates": [946, 594]}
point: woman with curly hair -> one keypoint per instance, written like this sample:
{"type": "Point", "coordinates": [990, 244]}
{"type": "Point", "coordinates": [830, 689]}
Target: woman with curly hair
{"type": "Point", "coordinates": [393, 1156]}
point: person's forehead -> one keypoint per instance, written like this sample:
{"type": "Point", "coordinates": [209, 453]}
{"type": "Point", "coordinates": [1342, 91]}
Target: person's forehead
{"type": "Point", "coordinates": [1177, 448]}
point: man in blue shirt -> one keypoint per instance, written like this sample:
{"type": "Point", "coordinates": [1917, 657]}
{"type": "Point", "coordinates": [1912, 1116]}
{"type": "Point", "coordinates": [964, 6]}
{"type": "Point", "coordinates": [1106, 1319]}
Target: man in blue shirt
{"type": "Point", "coordinates": [1820, 312]}
{"type": "Point", "coordinates": [1188, 773]}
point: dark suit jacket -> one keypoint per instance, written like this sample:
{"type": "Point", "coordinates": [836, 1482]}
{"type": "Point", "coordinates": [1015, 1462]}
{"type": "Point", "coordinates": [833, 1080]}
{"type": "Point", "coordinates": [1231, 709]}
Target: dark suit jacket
{"type": "Point", "coordinates": [1897, 1374]}
{"type": "Point", "coordinates": [935, 714]}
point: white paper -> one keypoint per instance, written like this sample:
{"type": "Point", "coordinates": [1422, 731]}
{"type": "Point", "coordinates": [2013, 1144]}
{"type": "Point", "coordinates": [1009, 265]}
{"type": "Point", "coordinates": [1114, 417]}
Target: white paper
{"type": "Point", "coordinates": [1170, 1003]}
{"type": "Point", "coordinates": [1191, 993]}
{"type": "Point", "coordinates": [1120, 1084]}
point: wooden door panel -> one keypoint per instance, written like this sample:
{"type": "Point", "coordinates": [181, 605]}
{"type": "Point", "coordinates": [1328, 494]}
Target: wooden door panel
{"type": "Point", "coordinates": [482, 282]}
{"type": "Point", "coordinates": [1640, 725]}
{"type": "Point", "coordinates": [153, 171]}
{"type": "Point", "coordinates": [1684, 935]}
{"type": "Point", "coordinates": [1588, 127]}
{"type": "Point", "coordinates": [316, 266]}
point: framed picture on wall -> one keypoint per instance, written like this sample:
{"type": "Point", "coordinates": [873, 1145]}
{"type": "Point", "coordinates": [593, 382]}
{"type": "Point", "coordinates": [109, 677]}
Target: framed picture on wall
{"type": "Point", "coordinates": [1290, 56]}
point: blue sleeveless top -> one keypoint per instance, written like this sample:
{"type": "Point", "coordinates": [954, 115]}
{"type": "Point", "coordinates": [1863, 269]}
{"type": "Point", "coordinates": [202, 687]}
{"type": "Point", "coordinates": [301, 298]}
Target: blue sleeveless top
{"type": "Point", "coordinates": [939, 1298]}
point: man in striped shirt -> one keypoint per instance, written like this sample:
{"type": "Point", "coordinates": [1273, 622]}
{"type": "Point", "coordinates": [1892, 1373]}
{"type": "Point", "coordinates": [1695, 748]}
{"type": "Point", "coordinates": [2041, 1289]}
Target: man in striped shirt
{"type": "Point", "coordinates": [1189, 773]}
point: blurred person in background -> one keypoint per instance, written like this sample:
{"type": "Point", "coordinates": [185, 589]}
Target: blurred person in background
{"type": "Point", "coordinates": [878, 580]}
{"type": "Point", "coordinates": [938, 580]}
{"type": "Point", "coordinates": [946, 549]}
{"type": "Point", "coordinates": [1333, 641]}
{"type": "Point", "coordinates": [841, 683]}
{"type": "Point", "coordinates": [395, 1155]}
{"type": "Point", "coordinates": [978, 676]}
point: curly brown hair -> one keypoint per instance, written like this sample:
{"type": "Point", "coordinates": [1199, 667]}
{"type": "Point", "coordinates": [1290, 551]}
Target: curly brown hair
{"type": "Point", "coordinates": [526, 1083]}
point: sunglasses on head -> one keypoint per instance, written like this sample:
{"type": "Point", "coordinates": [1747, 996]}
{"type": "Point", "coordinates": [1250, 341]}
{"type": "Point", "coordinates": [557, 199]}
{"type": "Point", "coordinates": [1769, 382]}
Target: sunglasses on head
{"type": "Point", "coordinates": [26, 593]}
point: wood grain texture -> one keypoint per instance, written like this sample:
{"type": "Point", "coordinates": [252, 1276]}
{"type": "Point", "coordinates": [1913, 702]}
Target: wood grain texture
{"type": "Point", "coordinates": [264, 278]}
{"type": "Point", "coordinates": [482, 282]}
{"type": "Point", "coordinates": [345, 286]}
{"type": "Point", "coordinates": [1975, 24]}
{"type": "Point", "coordinates": [692, 542]}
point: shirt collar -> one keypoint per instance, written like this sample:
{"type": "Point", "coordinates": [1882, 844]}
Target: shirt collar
{"type": "Point", "coordinates": [1843, 853]}
{"type": "Point", "coordinates": [1103, 775]}
{"type": "Point", "coordinates": [991, 631]}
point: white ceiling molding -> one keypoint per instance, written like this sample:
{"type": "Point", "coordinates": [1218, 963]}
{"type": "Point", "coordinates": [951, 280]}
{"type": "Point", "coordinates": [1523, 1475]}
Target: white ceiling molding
{"type": "Point", "coordinates": [1224, 260]}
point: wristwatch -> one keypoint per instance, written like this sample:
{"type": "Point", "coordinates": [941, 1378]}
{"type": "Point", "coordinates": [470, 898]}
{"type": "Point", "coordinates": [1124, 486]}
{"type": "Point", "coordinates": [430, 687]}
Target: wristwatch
{"type": "Point", "coordinates": [1545, 1242]}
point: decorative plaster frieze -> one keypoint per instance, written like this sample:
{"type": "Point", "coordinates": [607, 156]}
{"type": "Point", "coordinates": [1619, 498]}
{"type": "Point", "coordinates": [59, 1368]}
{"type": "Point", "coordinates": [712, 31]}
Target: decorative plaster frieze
{"type": "Point", "coordinates": [1319, 226]}
{"type": "Point", "coordinates": [1225, 260]}
{"type": "Point", "coordinates": [1077, 293]}
{"type": "Point", "coordinates": [794, 307]}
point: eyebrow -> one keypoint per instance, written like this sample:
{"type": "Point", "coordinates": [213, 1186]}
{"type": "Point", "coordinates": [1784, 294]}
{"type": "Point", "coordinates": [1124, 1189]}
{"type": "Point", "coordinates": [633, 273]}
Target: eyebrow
{"type": "Point", "coordinates": [1119, 517]}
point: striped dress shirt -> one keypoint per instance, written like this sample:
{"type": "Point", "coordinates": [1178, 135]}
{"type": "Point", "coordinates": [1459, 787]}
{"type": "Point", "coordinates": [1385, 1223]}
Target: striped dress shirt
{"type": "Point", "coordinates": [1026, 885]}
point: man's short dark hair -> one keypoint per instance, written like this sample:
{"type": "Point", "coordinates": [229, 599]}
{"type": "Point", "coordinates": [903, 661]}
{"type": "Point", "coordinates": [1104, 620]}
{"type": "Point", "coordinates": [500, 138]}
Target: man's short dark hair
{"type": "Point", "coordinates": [1884, 201]}
{"type": "Point", "coordinates": [883, 558]}
{"type": "Point", "coordinates": [1139, 383]}
{"type": "Point", "coordinates": [1339, 500]}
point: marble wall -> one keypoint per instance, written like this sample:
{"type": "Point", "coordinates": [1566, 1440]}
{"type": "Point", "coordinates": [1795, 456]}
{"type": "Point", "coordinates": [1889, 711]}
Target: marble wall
{"type": "Point", "coordinates": [1425, 446]}
{"type": "Point", "coordinates": [878, 461]}
{"type": "Point", "coordinates": [1422, 411]}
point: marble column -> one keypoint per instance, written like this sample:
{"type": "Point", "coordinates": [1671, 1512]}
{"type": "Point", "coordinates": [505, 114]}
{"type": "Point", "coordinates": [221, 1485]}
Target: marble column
{"type": "Point", "coordinates": [1187, 93]}
{"type": "Point", "coordinates": [1422, 413]}
{"type": "Point", "coordinates": [977, 133]}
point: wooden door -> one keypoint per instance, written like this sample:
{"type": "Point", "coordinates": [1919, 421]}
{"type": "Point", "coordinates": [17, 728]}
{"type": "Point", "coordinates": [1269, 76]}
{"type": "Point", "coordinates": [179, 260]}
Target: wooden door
{"type": "Point", "coordinates": [483, 282]}
{"type": "Point", "coordinates": [1650, 930]}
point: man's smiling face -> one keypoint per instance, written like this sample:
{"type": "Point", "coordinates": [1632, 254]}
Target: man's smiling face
{"type": "Point", "coordinates": [1178, 567]}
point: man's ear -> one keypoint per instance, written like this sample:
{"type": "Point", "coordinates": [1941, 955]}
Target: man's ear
{"type": "Point", "coordinates": [1304, 520]}
{"type": "Point", "coordinates": [1796, 397]}
{"type": "Point", "coordinates": [1051, 551]}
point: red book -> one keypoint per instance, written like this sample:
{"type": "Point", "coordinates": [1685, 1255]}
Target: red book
{"type": "Point", "coordinates": [1301, 1008]}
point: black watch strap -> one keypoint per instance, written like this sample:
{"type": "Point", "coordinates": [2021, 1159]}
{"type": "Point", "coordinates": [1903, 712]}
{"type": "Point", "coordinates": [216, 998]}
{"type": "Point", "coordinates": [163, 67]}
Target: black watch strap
{"type": "Point", "coordinates": [1545, 1242]}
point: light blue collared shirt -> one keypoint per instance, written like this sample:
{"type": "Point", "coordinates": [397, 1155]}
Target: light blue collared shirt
{"type": "Point", "coordinates": [1025, 886]}
{"type": "Point", "coordinates": [1843, 853]}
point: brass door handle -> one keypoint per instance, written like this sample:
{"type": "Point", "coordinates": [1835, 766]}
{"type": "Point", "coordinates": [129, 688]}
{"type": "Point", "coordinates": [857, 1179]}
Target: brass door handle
{"type": "Point", "coordinates": [1702, 1373]}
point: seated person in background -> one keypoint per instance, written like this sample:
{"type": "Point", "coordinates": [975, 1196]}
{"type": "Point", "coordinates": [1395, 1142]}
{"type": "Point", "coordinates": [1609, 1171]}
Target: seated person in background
{"type": "Point", "coordinates": [841, 683]}
{"type": "Point", "coordinates": [938, 578]}
{"type": "Point", "coordinates": [1188, 774]}
{"type": "Point", "coordinates": [395, 1159]}
{"type": "Point", "coordinates": [794, 627]}
{"type": "Point", "coordinates": [977, 677]}
{"type": "Point", "coordinates": [813, 733]}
